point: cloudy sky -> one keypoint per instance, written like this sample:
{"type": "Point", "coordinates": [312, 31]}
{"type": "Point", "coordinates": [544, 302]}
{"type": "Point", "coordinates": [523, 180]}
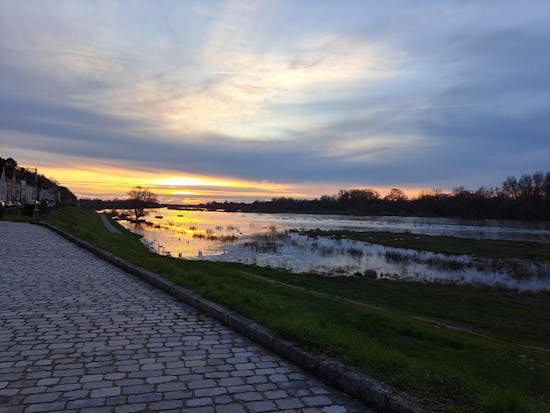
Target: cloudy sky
{"type": "Point", "coordinates": [253, 99]}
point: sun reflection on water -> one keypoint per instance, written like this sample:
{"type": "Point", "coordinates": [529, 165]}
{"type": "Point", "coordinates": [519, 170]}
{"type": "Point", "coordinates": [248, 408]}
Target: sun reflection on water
{"type": "Point", "coordinates": [268, 240]}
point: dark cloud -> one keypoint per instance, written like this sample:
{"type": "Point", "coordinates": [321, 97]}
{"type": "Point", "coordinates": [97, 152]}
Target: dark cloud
{"type": "Point", "coordinates": [76, 132]}
{"type": "Point", "coordinates": [472, 144]}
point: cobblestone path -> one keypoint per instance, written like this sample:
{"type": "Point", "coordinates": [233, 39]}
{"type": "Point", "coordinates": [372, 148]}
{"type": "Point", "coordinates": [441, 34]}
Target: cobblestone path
{"type": "Point", "coordinates": [79, 335]}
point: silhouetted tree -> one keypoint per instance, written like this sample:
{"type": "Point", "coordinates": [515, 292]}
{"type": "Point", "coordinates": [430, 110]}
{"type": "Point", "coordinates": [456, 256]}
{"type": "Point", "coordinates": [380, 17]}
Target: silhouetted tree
{"type": "Point", "coordinates": [139, 198]}
{"type": "Point", "coordinates": [538, 180]}
{"type": "Point", "coordinates": [11, 165]}
{"type": "Point", "coordinates": [546, 187]}
{"type": "Point", "coordinates": [525, 185]}
{"type": "Point", "coordinates": [395, 195]}
{"type": "Point", "coordinates": [510, 188]}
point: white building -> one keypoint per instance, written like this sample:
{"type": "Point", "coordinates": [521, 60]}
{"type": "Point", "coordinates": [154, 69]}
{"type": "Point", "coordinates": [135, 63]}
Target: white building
{"type": "Point", "coordinates": [11, 193]}
{"type": "Point", "coordinates": [3, 186]}
{"type": "Point", "coordinates": [27, 192]}
{"type": "Point", "coordinates": [19, 188]}
{"type": "Point", "coordinates": [48, 194]}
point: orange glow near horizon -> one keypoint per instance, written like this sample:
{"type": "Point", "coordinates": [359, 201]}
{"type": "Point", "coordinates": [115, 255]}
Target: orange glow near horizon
{"type": "Point", "coordinates": [108, 182]}
{"type": "Point", "coordinates": [98, 181]}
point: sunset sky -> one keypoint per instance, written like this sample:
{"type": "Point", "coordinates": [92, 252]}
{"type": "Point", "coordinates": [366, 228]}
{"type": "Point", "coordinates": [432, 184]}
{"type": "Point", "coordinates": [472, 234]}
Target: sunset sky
{"type": "Point", "coordinates": [242, 100]}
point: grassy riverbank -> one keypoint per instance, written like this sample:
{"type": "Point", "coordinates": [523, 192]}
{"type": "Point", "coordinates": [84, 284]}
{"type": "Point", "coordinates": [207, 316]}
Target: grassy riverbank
{"type": "Point", "coordinates": [14, 214]}
{"type": "Point", "coordinates": [445, 369]}
{"type": "Point", "coordinates": [485, 248]}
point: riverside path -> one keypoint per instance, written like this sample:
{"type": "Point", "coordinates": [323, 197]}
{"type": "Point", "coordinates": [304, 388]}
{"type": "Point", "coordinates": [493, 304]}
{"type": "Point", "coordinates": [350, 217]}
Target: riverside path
{"type": "Point", "coordinates": [80, 335]}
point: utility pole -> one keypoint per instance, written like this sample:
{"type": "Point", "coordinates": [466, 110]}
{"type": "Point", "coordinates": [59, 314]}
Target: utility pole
{"type": "Point", "coordinates": [36, 211]}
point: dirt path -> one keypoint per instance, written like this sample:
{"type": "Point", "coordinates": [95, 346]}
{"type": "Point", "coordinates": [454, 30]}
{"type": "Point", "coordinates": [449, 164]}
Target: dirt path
{"type": "Point", "coordinates": [108, 224]}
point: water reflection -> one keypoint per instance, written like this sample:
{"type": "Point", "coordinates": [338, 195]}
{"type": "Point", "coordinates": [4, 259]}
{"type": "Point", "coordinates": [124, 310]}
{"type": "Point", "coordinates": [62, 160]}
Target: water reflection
{"type": "Point", "coordinates": [264, 239]}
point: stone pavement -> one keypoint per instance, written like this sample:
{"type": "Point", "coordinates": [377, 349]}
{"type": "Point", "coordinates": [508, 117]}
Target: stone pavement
{"type": "Point", "coordinates": [79, 335]}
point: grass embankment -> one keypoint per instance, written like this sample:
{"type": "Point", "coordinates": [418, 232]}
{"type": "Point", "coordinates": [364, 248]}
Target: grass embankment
{"type": "Point", "coordinates": [444, 369]}
{"type": "Point", "coordinates": [483, 248]}
{"type": "Point", "coordinates": [14, 214]}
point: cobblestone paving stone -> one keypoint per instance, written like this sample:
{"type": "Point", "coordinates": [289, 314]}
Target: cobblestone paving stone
{"type": "Point", "coordinates": [79, 335]}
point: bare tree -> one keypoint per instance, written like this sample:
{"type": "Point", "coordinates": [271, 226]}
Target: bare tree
{"type": "Point", "coordinates": [525, 184]}
{"type": "Point", "coordinates": [510, 187]}
{"type": "Point", "coordinates": [396, 195]}
{"type": "Point", "coordinates": [538, 182]}
{"type": "Point", "coordinates": [139, 197]}
{"type": "Point", "coordinates": [546, 186]}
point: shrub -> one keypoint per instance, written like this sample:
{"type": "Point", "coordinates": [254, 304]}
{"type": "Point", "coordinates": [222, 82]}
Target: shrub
{"type": "Point", "coordinates": [43, 210]}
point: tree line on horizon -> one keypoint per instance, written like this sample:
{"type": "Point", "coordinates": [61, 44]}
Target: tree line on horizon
{"type": "Point", "coordinates": [527, 197]}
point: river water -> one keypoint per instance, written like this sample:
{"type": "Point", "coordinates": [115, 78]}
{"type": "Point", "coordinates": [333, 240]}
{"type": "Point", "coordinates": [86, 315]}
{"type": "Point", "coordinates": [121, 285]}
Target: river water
{"type": "Point", "coordinates": [265, 240]}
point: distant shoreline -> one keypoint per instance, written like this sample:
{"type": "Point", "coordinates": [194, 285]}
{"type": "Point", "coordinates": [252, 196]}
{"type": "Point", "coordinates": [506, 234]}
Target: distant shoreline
{"type": "Point", "coordinates": [344, 214]}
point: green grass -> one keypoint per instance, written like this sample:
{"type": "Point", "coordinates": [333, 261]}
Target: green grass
{"type": "Point", "coordinates": [522, 318]}
{"type": "Point", "coordinates": [444, 369]}
{"type": "Point", "coordinates": [536, 251]}
{"type": "Point", "coordinates": [14, 214]}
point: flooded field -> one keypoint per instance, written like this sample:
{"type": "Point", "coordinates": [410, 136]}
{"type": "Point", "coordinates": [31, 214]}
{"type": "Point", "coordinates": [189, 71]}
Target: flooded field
{"type": "Point", "coordinates": [267, 240]}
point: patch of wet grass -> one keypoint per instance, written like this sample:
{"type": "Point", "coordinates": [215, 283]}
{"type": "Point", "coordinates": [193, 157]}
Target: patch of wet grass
{"type": "Point", "coordinates": [445, 369]}
{"type": "Point", "coordinates": [535, 251]}
{"type": "Point", "coordinates": [264, 246]}
{"type": "Point", "coordinates": [438, 263]}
